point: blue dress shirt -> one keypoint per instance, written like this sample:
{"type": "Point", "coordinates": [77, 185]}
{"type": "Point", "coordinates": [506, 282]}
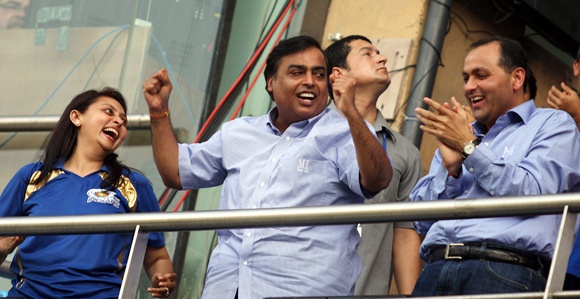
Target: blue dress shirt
{"type": "Point", "coordinates": [311, 164]}
{"type": "Point", "coordinates": [528, 151]}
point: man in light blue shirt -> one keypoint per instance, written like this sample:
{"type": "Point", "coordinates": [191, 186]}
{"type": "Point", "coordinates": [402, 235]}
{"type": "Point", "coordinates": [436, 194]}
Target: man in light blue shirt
{"type": "Point", "coordinates": [514, 149]}
{"type": "Point", "coordinates": [299, 154]}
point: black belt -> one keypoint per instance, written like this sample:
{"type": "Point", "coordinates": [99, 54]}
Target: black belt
{"type": "Point", "coordinates": [489, 252]}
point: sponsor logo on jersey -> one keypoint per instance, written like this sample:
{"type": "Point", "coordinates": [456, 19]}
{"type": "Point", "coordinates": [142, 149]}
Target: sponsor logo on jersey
{"type": "Point", "coordinates": [103, 196]}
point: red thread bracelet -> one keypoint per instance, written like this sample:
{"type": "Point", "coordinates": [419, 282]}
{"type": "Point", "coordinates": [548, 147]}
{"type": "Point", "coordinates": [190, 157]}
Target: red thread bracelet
{"type": "Point", "coordinates": [160, 115]}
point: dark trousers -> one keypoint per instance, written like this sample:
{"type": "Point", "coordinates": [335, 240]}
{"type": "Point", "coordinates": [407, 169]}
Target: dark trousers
{"type": "Point", "coordinates": [571, 283]}
{"type": "Point", "coordinates": [464, 277]}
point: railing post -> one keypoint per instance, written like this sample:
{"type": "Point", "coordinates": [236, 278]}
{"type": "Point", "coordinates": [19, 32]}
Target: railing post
{"type": "Point", "coordinates": [562, 251]}
{"type": "Point", "coordinates": [134, 264]}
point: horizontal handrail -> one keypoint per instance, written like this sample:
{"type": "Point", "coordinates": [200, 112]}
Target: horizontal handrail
{"type": "Point", "coordinates": [530, 295]}
{"type": "Point", "coordinates": [47, 123]}
{"type": "Point", "coordinates": [327, 215]}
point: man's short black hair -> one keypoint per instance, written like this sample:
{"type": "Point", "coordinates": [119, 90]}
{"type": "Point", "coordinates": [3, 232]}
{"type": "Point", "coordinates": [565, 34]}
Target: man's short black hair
{"type": "Point", "coordinates": [531, 82]}
{"type": "Point", "coordinates": [339, 50]}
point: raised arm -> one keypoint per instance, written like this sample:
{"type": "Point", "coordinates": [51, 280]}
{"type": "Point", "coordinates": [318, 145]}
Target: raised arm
{"type": "Point", "coordinates": [375, 168]}
{"type": "Point", "coordinates": [567, 99]}
{"type": "Point", "coordinates": [156, 90]}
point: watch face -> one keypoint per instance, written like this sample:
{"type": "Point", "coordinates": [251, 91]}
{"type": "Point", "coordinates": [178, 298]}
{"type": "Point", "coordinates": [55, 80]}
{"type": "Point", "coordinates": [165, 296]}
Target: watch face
{"type": "Point", "coordinates": [469, 148]}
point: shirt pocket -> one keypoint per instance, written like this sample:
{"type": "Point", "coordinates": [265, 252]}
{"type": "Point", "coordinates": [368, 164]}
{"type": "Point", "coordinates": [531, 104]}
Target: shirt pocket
{"type": "Point", "coordinates": [302, 182]}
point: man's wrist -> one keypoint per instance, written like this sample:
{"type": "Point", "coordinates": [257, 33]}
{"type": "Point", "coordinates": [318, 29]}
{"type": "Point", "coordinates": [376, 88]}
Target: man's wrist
{"type": "Point", "coordinates": [469, 147]}
{"type": "Point", "coordinates": [161, 115]}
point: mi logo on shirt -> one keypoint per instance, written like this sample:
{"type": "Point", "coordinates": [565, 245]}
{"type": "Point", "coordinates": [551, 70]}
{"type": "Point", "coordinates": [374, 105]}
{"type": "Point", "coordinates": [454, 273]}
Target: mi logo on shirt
{"type": "Point", "coordinates": [103, 196]}
{"type": "Point", "coordinates": [302, 166]}
{"type": "Point", "coordinates": [508, 151]}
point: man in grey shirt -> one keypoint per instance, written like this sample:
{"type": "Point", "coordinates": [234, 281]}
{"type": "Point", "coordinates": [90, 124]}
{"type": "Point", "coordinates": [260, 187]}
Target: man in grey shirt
{"type": "Point", "coordinates": [384, 247]}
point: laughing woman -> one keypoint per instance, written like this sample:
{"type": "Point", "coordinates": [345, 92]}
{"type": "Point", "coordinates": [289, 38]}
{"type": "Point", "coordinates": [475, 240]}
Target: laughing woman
{"type": "Point", "coordinates": [79, 174]}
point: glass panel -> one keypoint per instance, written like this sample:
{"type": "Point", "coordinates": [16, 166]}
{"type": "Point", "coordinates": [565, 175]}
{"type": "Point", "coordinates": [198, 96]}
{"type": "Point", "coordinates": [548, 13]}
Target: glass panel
{"type": "Point", "coordinates": [56, 49]}
{"type": "Point", "coordinates": [251, 23]}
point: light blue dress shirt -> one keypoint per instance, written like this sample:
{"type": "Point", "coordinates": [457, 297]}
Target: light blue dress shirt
{"type": "Point", "coordinates": [529, 151]}
{"type": "Point", "coordinates": [313, 163]}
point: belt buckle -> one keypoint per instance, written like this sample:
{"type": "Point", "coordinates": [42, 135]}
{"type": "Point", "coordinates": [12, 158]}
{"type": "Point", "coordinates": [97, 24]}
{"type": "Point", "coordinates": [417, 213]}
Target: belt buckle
{"type": "Point", "coordinates": [451, 257]}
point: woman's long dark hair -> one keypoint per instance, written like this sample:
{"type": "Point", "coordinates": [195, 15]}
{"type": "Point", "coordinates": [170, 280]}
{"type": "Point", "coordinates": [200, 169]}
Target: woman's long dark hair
{"type": "Point", "coordinates": [63, 139]}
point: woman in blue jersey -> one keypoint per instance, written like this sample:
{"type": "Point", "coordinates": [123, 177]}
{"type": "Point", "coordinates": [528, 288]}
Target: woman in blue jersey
{"type": "Point", "coordinates": [79, 174]}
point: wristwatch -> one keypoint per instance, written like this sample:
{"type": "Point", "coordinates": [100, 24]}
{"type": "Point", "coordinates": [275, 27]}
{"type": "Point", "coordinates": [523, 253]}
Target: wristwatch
{"type": "Point", "coordinates": [469, 147]}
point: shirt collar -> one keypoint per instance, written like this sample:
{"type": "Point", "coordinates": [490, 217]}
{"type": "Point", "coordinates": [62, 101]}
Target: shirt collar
{"type": "Point", "coordinates": [522, 112]}
{"type": "Point", "coordinates": [381, 125]}
{"type": "Point", "coordinates": [60, 165]}
{"type": "Point", "coordinates": [301, 124]}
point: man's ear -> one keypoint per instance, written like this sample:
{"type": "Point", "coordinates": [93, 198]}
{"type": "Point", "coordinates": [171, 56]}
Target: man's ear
{"type": "Point", "coordinates": [576, 67]}
{"type": "Point", "coordinates": [518, 78]}
{"type": "Point", "coordinates": [269, 84]}
{"type": "Point", "coordinates": [336, 71]}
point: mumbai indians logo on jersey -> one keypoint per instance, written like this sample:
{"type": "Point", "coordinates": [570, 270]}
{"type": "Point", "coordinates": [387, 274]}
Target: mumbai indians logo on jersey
{"type": "Point", "coordinates": [103, 196]}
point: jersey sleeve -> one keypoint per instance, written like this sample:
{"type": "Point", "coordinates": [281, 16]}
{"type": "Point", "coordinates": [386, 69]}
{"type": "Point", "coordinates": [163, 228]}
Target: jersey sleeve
{"type": "Point", "coordinates": [147, 202]}
{"type": "Point", "coordinates": [12, 198]}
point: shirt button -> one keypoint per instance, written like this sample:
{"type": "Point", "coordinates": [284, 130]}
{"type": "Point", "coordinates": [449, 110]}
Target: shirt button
{"type": "Point", "coordinates": [262, 184]}
{"type": "Point", "coordinates": [287, 138]}
{"type": "Point", "coordinates": [492, 193]}
{"type": "Point", "coordinates": [471, 169]}
{"type": "Point", "coordinates": [273, 159]}
{"type": "Point", "coordinates": [254, 206]}
{"type": "Point", "coordinates": [486, 144]}
{"type": "Point", "coordinates": [249, 234]}
{"type": "Point", "coordinates": [245, 263]}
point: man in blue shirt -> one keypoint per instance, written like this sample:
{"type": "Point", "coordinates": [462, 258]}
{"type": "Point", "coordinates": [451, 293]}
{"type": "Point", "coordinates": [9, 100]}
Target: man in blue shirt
{"type": "Point", "coordinates": [300, 154]}
{"type": "Point", "coordinates": [514, 149]}
{"type": "Point", "coordinates": [568, 99]}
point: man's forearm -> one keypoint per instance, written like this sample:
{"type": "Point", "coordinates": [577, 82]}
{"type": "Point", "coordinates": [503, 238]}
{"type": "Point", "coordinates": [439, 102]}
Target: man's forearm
{"type": "Point", "coordinates": [375, 167]}
{"type": "Point", "coordinates": [406, 262]}
{"type": "Point", "coordinates": [165, 152]}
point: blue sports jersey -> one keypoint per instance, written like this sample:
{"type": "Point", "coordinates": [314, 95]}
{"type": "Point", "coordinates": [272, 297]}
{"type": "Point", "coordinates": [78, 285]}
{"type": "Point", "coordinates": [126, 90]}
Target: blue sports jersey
{"type": "Point", "coordinates": [74, 266]}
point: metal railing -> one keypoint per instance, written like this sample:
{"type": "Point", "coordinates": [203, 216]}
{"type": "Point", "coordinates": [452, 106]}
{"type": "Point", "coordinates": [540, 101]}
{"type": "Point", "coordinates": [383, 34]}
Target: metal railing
{"type": "Point", "coordinates": [143, 223]}
{"type": "Point", "coordinates": [327, 215]}
{"type": "Point", "coordinates": [46, 123]}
